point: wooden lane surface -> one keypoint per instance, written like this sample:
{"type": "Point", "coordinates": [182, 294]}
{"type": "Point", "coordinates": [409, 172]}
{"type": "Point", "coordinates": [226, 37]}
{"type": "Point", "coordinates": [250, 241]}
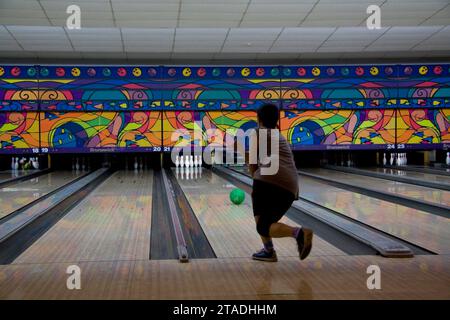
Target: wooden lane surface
{"type": "Point", "coordinates": [11, 174]}
{"type": "Point", "coordinates": [231, 228]}
{"type": "Point", "coordinates": [430, 195]}
{"type": "Point", "coordinates": [331, 277]}
{"type": "Point", "coordinates": [424, 229]}
{"type": "Point", "coordinates": [16, 196]}
{"type": "Point", "coordinates": [112, 223]}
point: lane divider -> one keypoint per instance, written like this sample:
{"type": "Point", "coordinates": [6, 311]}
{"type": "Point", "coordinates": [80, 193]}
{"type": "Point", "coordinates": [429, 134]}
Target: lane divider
{"type": "Point", "coordinates": [181, 242]}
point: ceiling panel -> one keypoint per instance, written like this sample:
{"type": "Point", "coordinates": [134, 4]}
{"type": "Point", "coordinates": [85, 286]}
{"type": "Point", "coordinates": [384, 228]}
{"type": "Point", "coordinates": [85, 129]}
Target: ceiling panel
{"type": "Point", "coordinates": [217, 30]}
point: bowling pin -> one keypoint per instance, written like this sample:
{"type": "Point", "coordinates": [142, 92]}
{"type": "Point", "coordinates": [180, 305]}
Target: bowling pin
{"type": "Point", "coordinates": [191, 162]}
{"type": "Point", "coordinates": [391, 159]}
{"type": "Point", "coordinates": [195, 161]}
{"type": "Point", "coordinates": [177, 162]}
{"type": "Point", "coordinates": [77, 165]}
{"type": "Point", "coordinates": [16, 164]}
{"type": "Point", "coordinates": [200, 160]}
{"type": "Point", "coordinates": [384, 159]}
{"type": "Point", "coordinates": [447, 160]}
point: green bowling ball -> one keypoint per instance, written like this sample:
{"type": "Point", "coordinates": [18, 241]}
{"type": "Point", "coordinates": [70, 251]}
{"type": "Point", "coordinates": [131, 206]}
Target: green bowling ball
{"type": "Point", "coordinates": [237, 196]}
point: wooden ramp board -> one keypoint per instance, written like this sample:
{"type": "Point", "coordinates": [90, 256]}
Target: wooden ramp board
{"type": "Point", "coordinates": [112, 223]}
{"type": "Point", "coordinates": [231, 228]}
{"type": "Point", "coordinates": [22, 193]}
{"type": "Point", "coordinates": [421, 228]}
{"type": "Point", "coordinates": [330, 277]}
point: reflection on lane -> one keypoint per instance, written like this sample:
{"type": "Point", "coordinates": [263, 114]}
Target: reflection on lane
{"type": "Point", "coordinates": [421, 228]}
{"type": "Point", "coordinates": [230, 228]}
{"type": "Point", "coordinates": [413, 174]}
{"type": "Point", "coordinates": [403, 189]}
{"type": "Point", "coordinates": [22, 193]}
{"type": "Point", "coordinates": [11, 174]}
{"type": "Point", "coordinates": [111, 223]}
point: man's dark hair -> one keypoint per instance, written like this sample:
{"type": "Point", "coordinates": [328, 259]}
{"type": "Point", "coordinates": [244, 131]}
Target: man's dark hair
{"type": "Point", "coordinates": [268, 115]}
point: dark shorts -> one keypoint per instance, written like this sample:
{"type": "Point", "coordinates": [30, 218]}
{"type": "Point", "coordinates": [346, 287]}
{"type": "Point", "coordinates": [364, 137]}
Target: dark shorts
{"type": "Point", "coordinates": [270, 200]}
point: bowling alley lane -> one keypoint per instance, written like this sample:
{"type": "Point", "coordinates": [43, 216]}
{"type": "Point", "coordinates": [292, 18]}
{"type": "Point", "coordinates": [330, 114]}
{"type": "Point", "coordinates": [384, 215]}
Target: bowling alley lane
{"type": "Point", "coordinates": [427, 230]}
{"type": "Point", "coordinates": [11, 174]}
{"type": "Point", "coordinates": [230, 228]}
{"type": "Point", "coordinates": [17, 195]}
{"type": "Point", "coordinates": [430, 195]}
{"type": "Point", "coordinates": [413, 175]}
{"type": "Point", "coordinates": [111, 223]}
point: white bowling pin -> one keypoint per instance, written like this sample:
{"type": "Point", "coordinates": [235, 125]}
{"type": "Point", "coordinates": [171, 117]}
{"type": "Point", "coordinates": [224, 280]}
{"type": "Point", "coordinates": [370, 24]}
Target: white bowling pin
{"type": "Point", "coordinates": [195, 161]}
{"type": "Point", "coordinates": [200, 161]}
{"type": "Point", "coordinates": [12, 163]}
{"type": "Point", "coordinates": [177, 162]}
{"type": "Point", "coordinates": [384, 159]}
{"type": "Point", "coordinates": [447, 160]}
{"type": "Point", "coordinates": [188, 161]}
{"type": "Point", "coordinates": [36, 161]}
{"type": "Point", "coordinates": [191, 161]}
{"type": "Point", "coordinates": [77, 165]}
{"type": "Point", "coordinates": [16, 163]}
{"type": "Point", "coordinates": [391, 159]}
{"type": "Point", "coordinates": [181, 161]}
{"type": "Point", "coordinates": [399, 160]}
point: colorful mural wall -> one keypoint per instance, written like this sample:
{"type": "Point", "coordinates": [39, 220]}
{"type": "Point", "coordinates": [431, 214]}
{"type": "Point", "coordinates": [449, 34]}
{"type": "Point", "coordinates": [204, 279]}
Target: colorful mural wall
{"type": "Point", "coordinates": [154, 108]}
